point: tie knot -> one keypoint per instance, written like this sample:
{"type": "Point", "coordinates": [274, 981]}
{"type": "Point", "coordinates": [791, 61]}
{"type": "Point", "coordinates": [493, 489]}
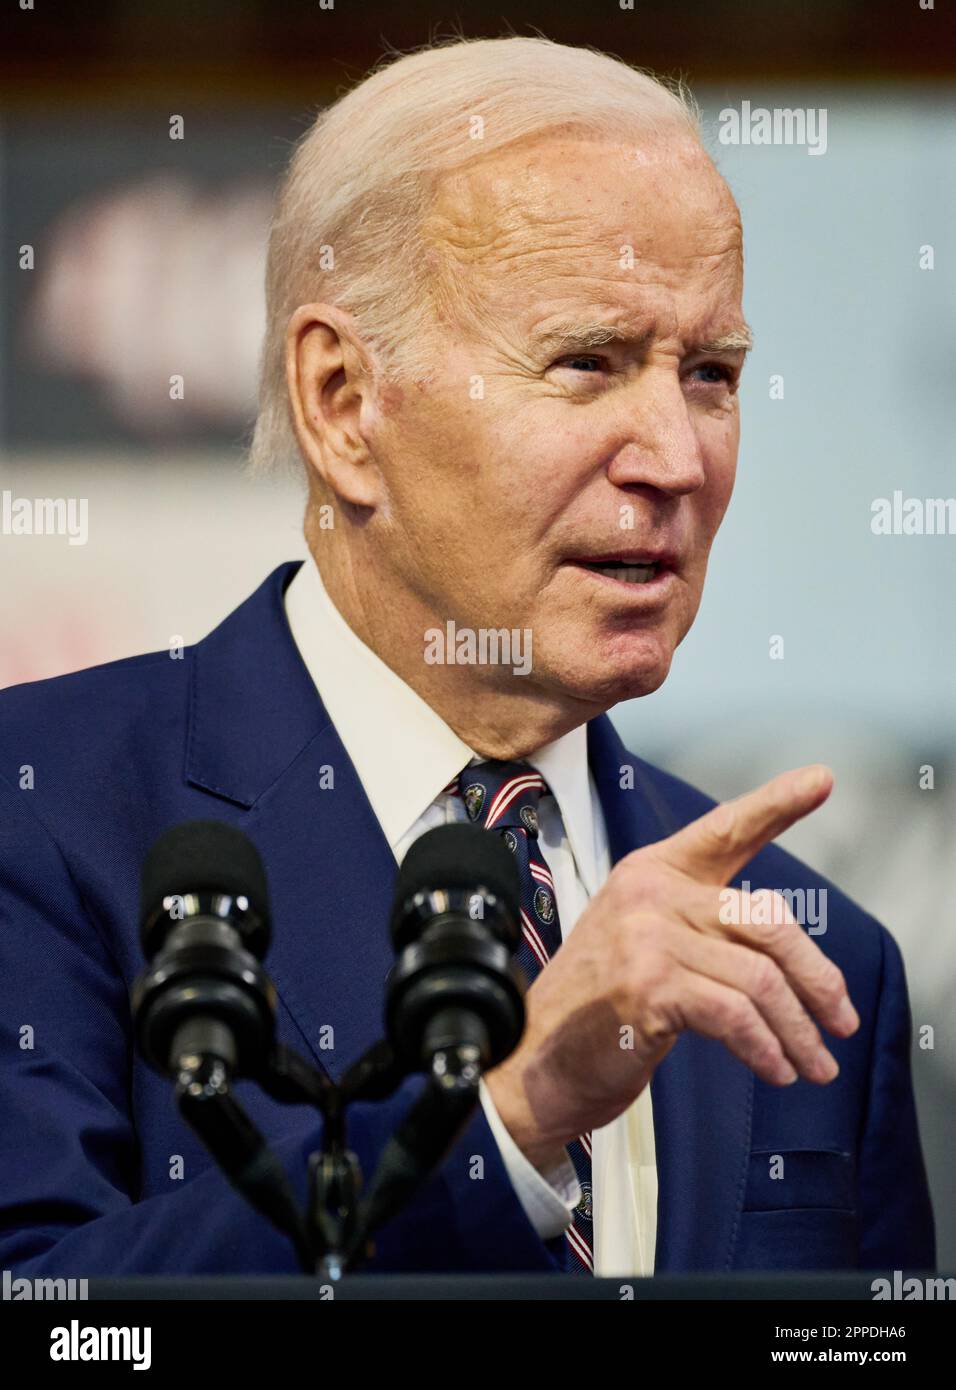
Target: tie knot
{"type": "Point", "coordinates": [502, 795]}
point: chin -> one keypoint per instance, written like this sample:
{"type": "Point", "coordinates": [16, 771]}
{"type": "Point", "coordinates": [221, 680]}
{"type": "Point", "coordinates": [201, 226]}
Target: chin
{"type": "Point", "coordinates": [631, 685]}
{"type": "Point", "coordinates": [621, 675]}
{"type": "Point", "coordinates": [638, 662]}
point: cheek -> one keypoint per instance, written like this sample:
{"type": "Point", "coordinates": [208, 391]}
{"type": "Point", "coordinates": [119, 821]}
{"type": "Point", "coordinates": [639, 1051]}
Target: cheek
{"type": "Point", "coordinates": [720, 465]}
{"type": "Point", "coordinates": [529, 470]}
{"type": "Point", "coordinates": [721, 492]}
{"type": "Point", "coordinates": [422, 467]}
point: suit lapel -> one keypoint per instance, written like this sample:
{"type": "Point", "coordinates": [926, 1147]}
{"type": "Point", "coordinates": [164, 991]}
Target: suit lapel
{"type": "Point", "coordinates": [701, 1096]}
{"type": "Point", "coordinates": [260, 739]}
{"type": "Point", "coordinates": [332, 874]}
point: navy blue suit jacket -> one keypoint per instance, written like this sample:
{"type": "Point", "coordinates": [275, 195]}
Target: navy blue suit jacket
{"type": "Point", "coordinates": [99, 1175]}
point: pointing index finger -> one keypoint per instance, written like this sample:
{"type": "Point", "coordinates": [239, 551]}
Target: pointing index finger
{"type": "Point", "coordinates": [713, 848]}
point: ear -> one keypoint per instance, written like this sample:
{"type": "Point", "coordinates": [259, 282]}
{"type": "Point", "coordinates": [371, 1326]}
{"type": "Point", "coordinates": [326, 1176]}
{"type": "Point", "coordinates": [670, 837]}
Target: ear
{"type": "Point", "coordinates": [328, 377]}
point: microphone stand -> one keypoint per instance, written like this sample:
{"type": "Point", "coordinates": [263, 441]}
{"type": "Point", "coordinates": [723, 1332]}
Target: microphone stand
{"type": "Point", "coordinates": [204, 1012]}
{"type": "Point", "coordinates": [208, 1106]}
{"type": "Point", "coordinates": [333, 1236]}
{"type": "Point", "coordinates": [419, 1143]}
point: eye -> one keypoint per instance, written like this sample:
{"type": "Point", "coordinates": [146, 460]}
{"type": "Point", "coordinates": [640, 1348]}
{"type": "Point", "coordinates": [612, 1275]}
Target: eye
{"type": "Point", "coordinates": [580, 363]}
{"type": "Point", "coordinates": [716, 373]}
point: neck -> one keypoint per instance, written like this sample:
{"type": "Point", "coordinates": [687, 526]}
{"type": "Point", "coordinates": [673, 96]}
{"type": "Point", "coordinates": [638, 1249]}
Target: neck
{"type": "Point", "coordinates": [497, 713]}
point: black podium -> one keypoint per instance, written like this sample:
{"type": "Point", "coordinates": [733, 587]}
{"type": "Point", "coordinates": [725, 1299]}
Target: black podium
{"type": "Point", "coordinates": [810, 1287]}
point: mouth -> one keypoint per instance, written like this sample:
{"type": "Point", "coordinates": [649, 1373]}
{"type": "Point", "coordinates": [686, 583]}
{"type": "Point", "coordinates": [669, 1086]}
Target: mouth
{"type": "Point", "coordinates": [627, 569]}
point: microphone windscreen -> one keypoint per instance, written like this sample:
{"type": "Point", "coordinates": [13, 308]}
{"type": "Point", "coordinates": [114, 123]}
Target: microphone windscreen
{"type": "Point", "coordinates": [202, 856]}
{"type": "Point", "coordinates": [459, 856]}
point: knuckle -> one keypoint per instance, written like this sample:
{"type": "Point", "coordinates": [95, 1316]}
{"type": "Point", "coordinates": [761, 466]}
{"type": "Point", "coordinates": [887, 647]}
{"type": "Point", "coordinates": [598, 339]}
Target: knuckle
{"type": "Point", "coordinates": [771, 909]}
{"type": "Point", "coordinates": [649, 882]}
{"type": "Point", "coordinates": [757, 915]}
{"type": "Point", "coordinates": [736, 1016]}
{"type": "Point", "coordinates": [721, 826]}
{"type": "Point", "coordinates": [766, 978]}
{"type": "Point", "coordinates": [620, 884]}
{"type": "Point", "coordinates": [763, 934]}
{"type": "Point", "coordinates": [831, 985]}
{"type": "Point", "coordinates": [780, 910]}
{"type": "Point", "coordinates": [768, 1058]}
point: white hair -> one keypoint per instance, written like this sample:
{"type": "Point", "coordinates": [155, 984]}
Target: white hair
{"type": "Point", "coordinates": [362, 178]}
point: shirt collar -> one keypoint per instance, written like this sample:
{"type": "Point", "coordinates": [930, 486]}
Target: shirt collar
{"type": "Point", "coordinates": [564, 766]}
{"type": "Point", "coordinates": [404, 753]}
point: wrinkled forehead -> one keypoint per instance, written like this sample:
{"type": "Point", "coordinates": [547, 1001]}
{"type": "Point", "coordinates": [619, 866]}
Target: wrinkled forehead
{"type": "Point", "coordinates": [559, 209]}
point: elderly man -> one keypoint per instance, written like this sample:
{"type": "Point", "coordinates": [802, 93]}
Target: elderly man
{"type": "Point", "coordinates": [505, 337]}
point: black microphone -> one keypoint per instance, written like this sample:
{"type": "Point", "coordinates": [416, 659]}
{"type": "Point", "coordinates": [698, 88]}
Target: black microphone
{"type": "Point", "coordinates": [204, 926]}
{"type": "Point", "coordinates": [204, 1009]}
{"type": "Point", "coordinates": [455, 998]}
{"type": "Point", "coordinates": [455, 925]}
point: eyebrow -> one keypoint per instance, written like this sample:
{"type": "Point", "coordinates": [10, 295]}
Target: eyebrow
{"type": "Point", "coordinates": [740, 339]}
{"type": "Point", "coordinates": [575, 337]}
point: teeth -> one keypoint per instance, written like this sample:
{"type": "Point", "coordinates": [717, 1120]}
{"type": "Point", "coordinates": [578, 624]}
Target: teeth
{"type": "Point", "coordinates": [630, 574]}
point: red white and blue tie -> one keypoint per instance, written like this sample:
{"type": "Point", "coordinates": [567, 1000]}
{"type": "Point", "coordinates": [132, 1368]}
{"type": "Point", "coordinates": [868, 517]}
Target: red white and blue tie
{"type": "Point", "coordinates": [504, 796]}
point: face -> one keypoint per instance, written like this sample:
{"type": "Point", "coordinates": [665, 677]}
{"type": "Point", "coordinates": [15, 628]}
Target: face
{"type": "Point", "coordinates": [565, 465]}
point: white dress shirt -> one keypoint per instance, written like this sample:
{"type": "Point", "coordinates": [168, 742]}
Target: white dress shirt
{"type": "Point", "coordinates": [405, 755]}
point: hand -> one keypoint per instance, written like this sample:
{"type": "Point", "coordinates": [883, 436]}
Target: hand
{"type": "Point", "coordinates": [650, 956]}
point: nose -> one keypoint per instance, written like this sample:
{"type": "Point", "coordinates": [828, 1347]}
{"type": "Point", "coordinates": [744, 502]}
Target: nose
{"type": "Point", "coordinates": [663, 451]}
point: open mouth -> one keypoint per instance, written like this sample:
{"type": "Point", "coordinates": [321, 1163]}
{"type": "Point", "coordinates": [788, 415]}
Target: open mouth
{"type": "Point", "coordinates": [625, 571]}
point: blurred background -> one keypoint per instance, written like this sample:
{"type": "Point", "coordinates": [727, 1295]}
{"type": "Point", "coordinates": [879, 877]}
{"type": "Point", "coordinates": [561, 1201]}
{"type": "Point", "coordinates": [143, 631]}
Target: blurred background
{"type": "Point", "coordinates": [132, 257]}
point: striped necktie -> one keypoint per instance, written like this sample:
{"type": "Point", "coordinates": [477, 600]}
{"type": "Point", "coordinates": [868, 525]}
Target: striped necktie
{"type": "Point", "coordinates": [504, 796]}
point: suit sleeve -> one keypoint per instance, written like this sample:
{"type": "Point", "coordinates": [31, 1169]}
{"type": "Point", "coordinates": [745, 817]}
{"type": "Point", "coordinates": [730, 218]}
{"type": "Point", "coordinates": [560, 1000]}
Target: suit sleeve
{"type": "Point", "coordinates": [69, 1149]}
{"type": "Point", "coordinates": [896, 1215]}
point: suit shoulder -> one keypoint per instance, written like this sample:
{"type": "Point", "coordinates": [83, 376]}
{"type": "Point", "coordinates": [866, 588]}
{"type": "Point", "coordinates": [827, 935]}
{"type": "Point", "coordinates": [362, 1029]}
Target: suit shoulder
{"type": "Point", "coordinates": [93, 694]}
{"type": "Point", "coordinates": [119, 693]}
{"type": "Point", "coordinates": [83, 732]}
